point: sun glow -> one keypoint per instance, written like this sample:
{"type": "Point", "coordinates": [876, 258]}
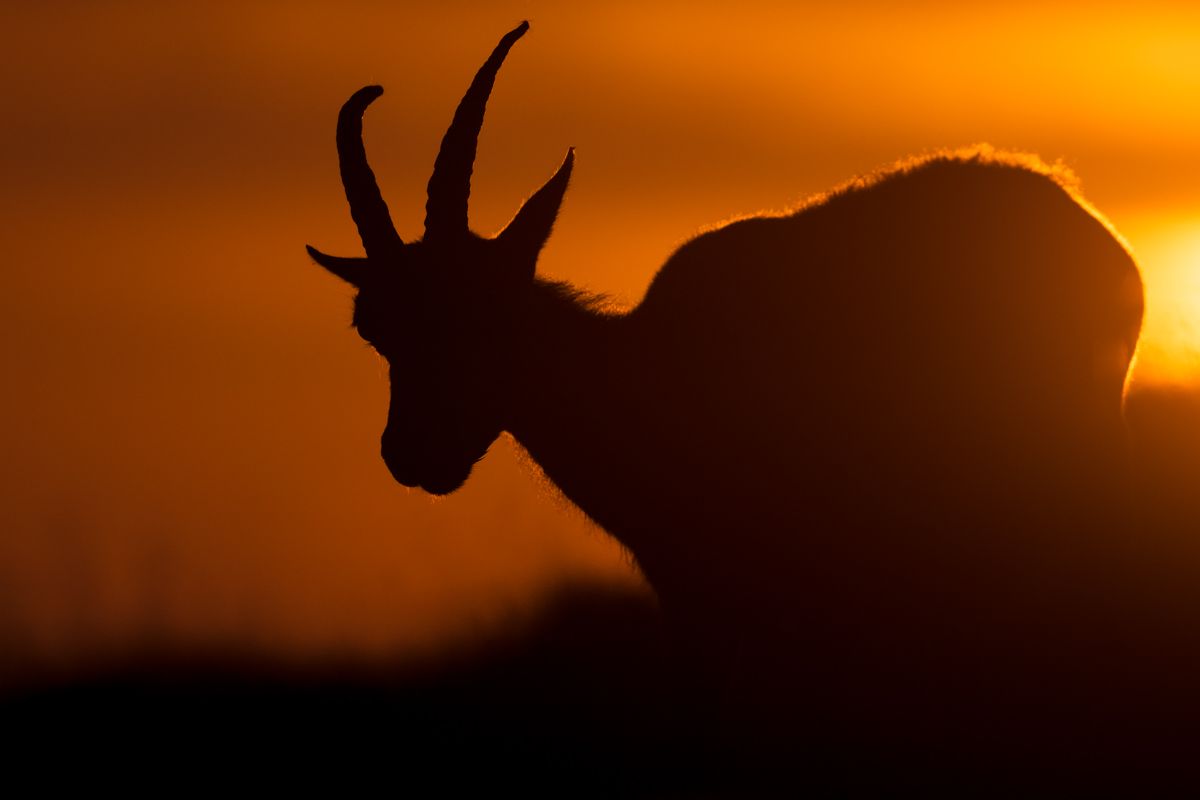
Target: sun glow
{"type": "Point", "coordinates": [1169, 254]}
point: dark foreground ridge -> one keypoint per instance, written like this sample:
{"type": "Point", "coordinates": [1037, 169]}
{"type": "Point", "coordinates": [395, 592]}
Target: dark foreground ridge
{"type": "Point", "coordinates": [579, 700]}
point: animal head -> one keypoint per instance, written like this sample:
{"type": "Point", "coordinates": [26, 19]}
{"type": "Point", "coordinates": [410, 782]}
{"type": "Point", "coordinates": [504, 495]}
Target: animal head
{"type": "Point", "coordinates": [439, 309]}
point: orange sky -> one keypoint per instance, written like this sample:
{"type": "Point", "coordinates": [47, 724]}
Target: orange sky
{"type": "Point", "coordinates": [191, 453]}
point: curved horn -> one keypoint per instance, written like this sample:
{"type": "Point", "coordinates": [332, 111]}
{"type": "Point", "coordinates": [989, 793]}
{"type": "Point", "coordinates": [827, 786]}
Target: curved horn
{"type": "Point", "coordinates": [370, 213]}
{"type": "Point", "coordinates": [450, 186]}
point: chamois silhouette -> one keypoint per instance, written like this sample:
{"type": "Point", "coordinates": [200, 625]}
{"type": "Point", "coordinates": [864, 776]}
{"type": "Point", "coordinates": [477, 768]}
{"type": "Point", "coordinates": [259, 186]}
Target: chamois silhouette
{"type": "Point", "coordinates": [870, 453]}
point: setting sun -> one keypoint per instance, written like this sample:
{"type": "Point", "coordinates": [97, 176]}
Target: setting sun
{"type": "Point", "coordinates": [1169, 253]}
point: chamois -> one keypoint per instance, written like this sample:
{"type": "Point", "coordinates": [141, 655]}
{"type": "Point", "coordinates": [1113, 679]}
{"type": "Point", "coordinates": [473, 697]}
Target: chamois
{"type": "Point", "coordinates": [870, 453]}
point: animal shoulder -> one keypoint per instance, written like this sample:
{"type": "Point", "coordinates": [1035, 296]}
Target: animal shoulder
{"type": "Point", "coordinates": [912, 205]}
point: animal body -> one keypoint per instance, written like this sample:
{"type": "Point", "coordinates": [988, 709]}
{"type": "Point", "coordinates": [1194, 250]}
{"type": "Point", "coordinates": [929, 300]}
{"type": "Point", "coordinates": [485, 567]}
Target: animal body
{"type": "Point", "coordinates": [870, 453]}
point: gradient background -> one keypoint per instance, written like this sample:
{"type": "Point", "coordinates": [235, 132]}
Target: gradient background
{"type": "Point", "coordinates": [190, 453]}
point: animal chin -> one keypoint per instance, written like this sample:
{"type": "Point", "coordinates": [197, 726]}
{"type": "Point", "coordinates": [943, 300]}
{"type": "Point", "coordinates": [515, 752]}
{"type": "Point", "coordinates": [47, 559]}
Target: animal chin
{"type": "Point", "coordinates": [436, 482]}
{"type": "Point", "coordinates": [443, 485]}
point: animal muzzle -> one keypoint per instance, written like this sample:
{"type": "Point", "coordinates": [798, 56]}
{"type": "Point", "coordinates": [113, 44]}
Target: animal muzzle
{"type": "Point", "coordinates": [415, 467]}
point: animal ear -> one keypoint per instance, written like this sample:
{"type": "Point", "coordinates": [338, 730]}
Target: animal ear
{"type": "Point", "coordinates": [530, 228]}
{"type": "Point", "coordinates": [355, 271]}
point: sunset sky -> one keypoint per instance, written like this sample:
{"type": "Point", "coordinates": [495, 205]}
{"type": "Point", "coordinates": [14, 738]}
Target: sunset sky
{"type": "Point", "coordinates": [191, 453]}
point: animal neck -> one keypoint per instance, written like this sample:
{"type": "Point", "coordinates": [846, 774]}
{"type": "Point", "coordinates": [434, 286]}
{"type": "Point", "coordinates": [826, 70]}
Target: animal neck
{"type": "Point", "coordinates": [565, 403]}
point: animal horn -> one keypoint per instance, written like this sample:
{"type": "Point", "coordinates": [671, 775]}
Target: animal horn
{"type": "Point", "coordinates": [367, 207]}
{"type": "Point", "coordinates": [450, 186]}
